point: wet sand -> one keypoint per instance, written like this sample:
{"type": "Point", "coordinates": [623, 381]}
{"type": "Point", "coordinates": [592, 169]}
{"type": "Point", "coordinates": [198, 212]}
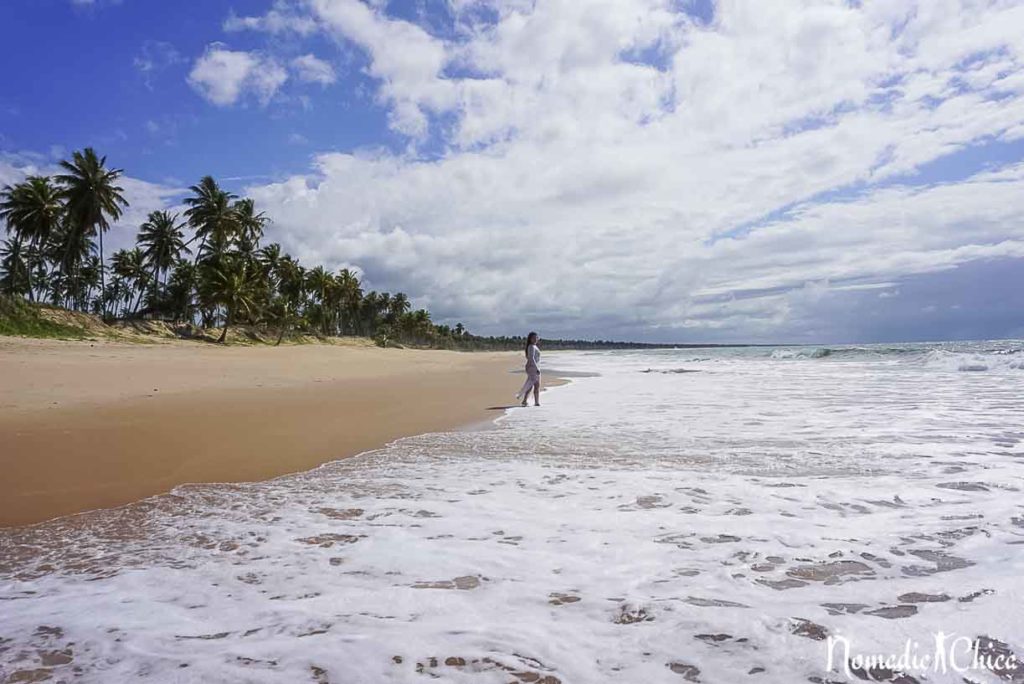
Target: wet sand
{"type": "Point", "coordinates": [88, 425]}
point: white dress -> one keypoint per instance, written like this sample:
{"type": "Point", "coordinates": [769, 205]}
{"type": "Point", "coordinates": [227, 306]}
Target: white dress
{"type": "Point", "coordinates": [532, 371]}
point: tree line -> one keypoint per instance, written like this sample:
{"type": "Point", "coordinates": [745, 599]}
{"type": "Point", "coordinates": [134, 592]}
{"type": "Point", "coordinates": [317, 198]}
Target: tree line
{"type": "Point", "coordinates": [206, 266]}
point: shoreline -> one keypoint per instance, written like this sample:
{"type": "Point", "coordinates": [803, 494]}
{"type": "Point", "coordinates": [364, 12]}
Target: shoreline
{"type": "Point", "coordinates": [89, 425]}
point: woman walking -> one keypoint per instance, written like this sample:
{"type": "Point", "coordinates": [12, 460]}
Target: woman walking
{"type": "Point", "coordinates": [532, 371]}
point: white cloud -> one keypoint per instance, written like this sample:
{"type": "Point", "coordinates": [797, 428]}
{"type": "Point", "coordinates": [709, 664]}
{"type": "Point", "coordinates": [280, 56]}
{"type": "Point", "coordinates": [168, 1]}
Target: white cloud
{"type": "Point", "coordinates": [406, 60]}
{"type": "Point", "coordinates": [608, 166]}
{"type": "Point", "coordinates": [311, 69]}
{"type": "Point", "coordinates": [223, 76]}
{"type": "Point", "coordinates": [282, 18]}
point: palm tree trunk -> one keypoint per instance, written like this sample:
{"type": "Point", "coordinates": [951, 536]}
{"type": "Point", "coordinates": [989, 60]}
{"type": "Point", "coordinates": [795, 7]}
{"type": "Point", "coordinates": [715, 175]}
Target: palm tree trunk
{"type": "Point", "coordinates": [103, 277]}
{"type": "Point", "coordinates": [227, 324]}
{"type": "Point", "coordinates": [138, 301]}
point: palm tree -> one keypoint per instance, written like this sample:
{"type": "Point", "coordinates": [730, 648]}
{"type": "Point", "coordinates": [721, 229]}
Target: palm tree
{"type": "Point", "coordinates": [32, 210]}
{"type": "Point", "coordinates": [130, 266]}
{"type": "Point", "coordinates": [15, 278]}
{"type": "Point", "coordinates": [163, 241]}
{"type": "Point", "coordinates": [282, 316]}
{"type": "Point", "coordinates": [230, 284]}
{"type": "Point", "coordinates": [211, 214]}
{"type": "Point", "coordinates": [250, 224]}
{"type": "Point", "coordinates": [349, 294]}
{"type": "Point", "coordinates": [91, 198]}
{"type": "Point", "coordinates": [321, 285]}
{"type": "Point", "coordinates": [70, 249]}
{"type": "Point", "coordinates": [180, 290]}
{"type": "Point", "coordinates": [400, 305]}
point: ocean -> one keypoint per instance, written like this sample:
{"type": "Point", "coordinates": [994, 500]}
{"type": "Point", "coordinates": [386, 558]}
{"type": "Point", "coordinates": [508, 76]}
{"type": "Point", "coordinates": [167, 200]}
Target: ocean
{"type": "Point", "coordinates": [711, 515]}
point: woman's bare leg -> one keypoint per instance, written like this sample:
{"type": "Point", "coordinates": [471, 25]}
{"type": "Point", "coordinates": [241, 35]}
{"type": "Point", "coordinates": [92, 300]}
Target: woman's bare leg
{"type": "Point", "coordinates": [536, 393]}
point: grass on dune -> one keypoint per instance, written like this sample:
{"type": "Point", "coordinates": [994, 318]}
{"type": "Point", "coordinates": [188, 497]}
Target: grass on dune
{"type": "Point", "coordinates": [20, 318]}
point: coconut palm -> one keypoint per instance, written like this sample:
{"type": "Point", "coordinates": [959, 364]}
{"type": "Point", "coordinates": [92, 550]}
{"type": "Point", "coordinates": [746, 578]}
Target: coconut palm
{"type": "Point", "coordinates": [32, 210]}
{"type": "Point", "coordinates": [282, 316]}
{"type": "Point", "coordinates": [349, 294]}
{"type": "Point", "coordinates": [249, 223]}
{"type": "Point", "coordinates": [211, 214]}
{"type": "Point", "coordinates": [320, 284]}
{"type": "Point", "coordinates": [15, 278]}
{"type": "Point", "coordinates": [399, 306]}
{"type": "Point", "coordinates": [70, 249]}
{"type": "Point", "coordinates": [180, 290]}
{"type": "Point", "coordinates": [130, 266]}
{"type": "Point", "coordinates": [91, 198]}
{"type": "Point", "coordinates": [230, 284]}
{"type": "Point", "coordinates": [163, 243]}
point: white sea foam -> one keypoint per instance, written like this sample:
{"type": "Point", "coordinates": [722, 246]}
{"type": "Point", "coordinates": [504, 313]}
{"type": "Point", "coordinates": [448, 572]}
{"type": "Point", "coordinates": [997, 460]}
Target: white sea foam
{"type": "Point", "coordinates": [640, 527]}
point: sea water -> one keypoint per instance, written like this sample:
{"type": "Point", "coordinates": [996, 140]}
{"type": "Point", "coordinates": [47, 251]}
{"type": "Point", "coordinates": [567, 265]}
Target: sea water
{"type": "Point", "coordinates": [714, 515]}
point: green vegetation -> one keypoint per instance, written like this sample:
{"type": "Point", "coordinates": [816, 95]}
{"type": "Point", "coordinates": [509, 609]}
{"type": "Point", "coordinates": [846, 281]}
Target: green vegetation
{"type": "Point", "coordinates": [220, 276]}
{"type": "Point", "coordinates": [18, 317]}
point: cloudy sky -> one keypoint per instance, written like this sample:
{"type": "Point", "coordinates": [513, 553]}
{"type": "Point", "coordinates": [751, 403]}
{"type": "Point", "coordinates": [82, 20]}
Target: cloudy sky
{"type": "Point", "coordinates": [665, 170]}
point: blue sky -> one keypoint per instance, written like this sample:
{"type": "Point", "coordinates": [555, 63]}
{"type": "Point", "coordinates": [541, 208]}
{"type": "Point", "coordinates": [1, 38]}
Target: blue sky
{"type": "Point", "coordinates": [652, 169]}
{"type": "Point", "coordinates": [114, 75]}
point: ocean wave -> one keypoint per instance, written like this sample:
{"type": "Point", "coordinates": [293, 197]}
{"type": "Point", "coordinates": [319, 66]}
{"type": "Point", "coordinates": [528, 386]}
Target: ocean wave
{"type": "Point", "coordinates": [803, 353]}
{"type": "Point", "coordinates": [972, 363]}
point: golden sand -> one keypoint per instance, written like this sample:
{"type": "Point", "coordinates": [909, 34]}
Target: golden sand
{"type": "Point", "coordinates": [88, 425]}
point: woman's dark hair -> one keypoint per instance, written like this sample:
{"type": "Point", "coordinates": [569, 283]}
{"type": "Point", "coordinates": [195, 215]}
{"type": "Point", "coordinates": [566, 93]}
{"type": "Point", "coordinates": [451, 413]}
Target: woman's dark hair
{"type": "Point", "coordinates": [530, 339]}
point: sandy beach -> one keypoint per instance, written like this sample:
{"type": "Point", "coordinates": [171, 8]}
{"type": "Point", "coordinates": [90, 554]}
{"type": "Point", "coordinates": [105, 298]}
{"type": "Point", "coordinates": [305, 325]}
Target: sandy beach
{"type": "Point", "coordinates": [88, 425]}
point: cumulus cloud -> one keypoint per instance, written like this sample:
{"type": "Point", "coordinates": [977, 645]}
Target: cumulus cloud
{"type": "Point", "coordinates": [626, 168]}
{"type": "Point", "coordinates": [224, 76]}
{"type": "Point", "coordinates": [311, 69]}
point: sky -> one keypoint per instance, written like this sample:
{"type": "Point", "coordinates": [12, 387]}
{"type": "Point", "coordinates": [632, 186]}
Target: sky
{"type": "Point", "coordinates": [657, 170]}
